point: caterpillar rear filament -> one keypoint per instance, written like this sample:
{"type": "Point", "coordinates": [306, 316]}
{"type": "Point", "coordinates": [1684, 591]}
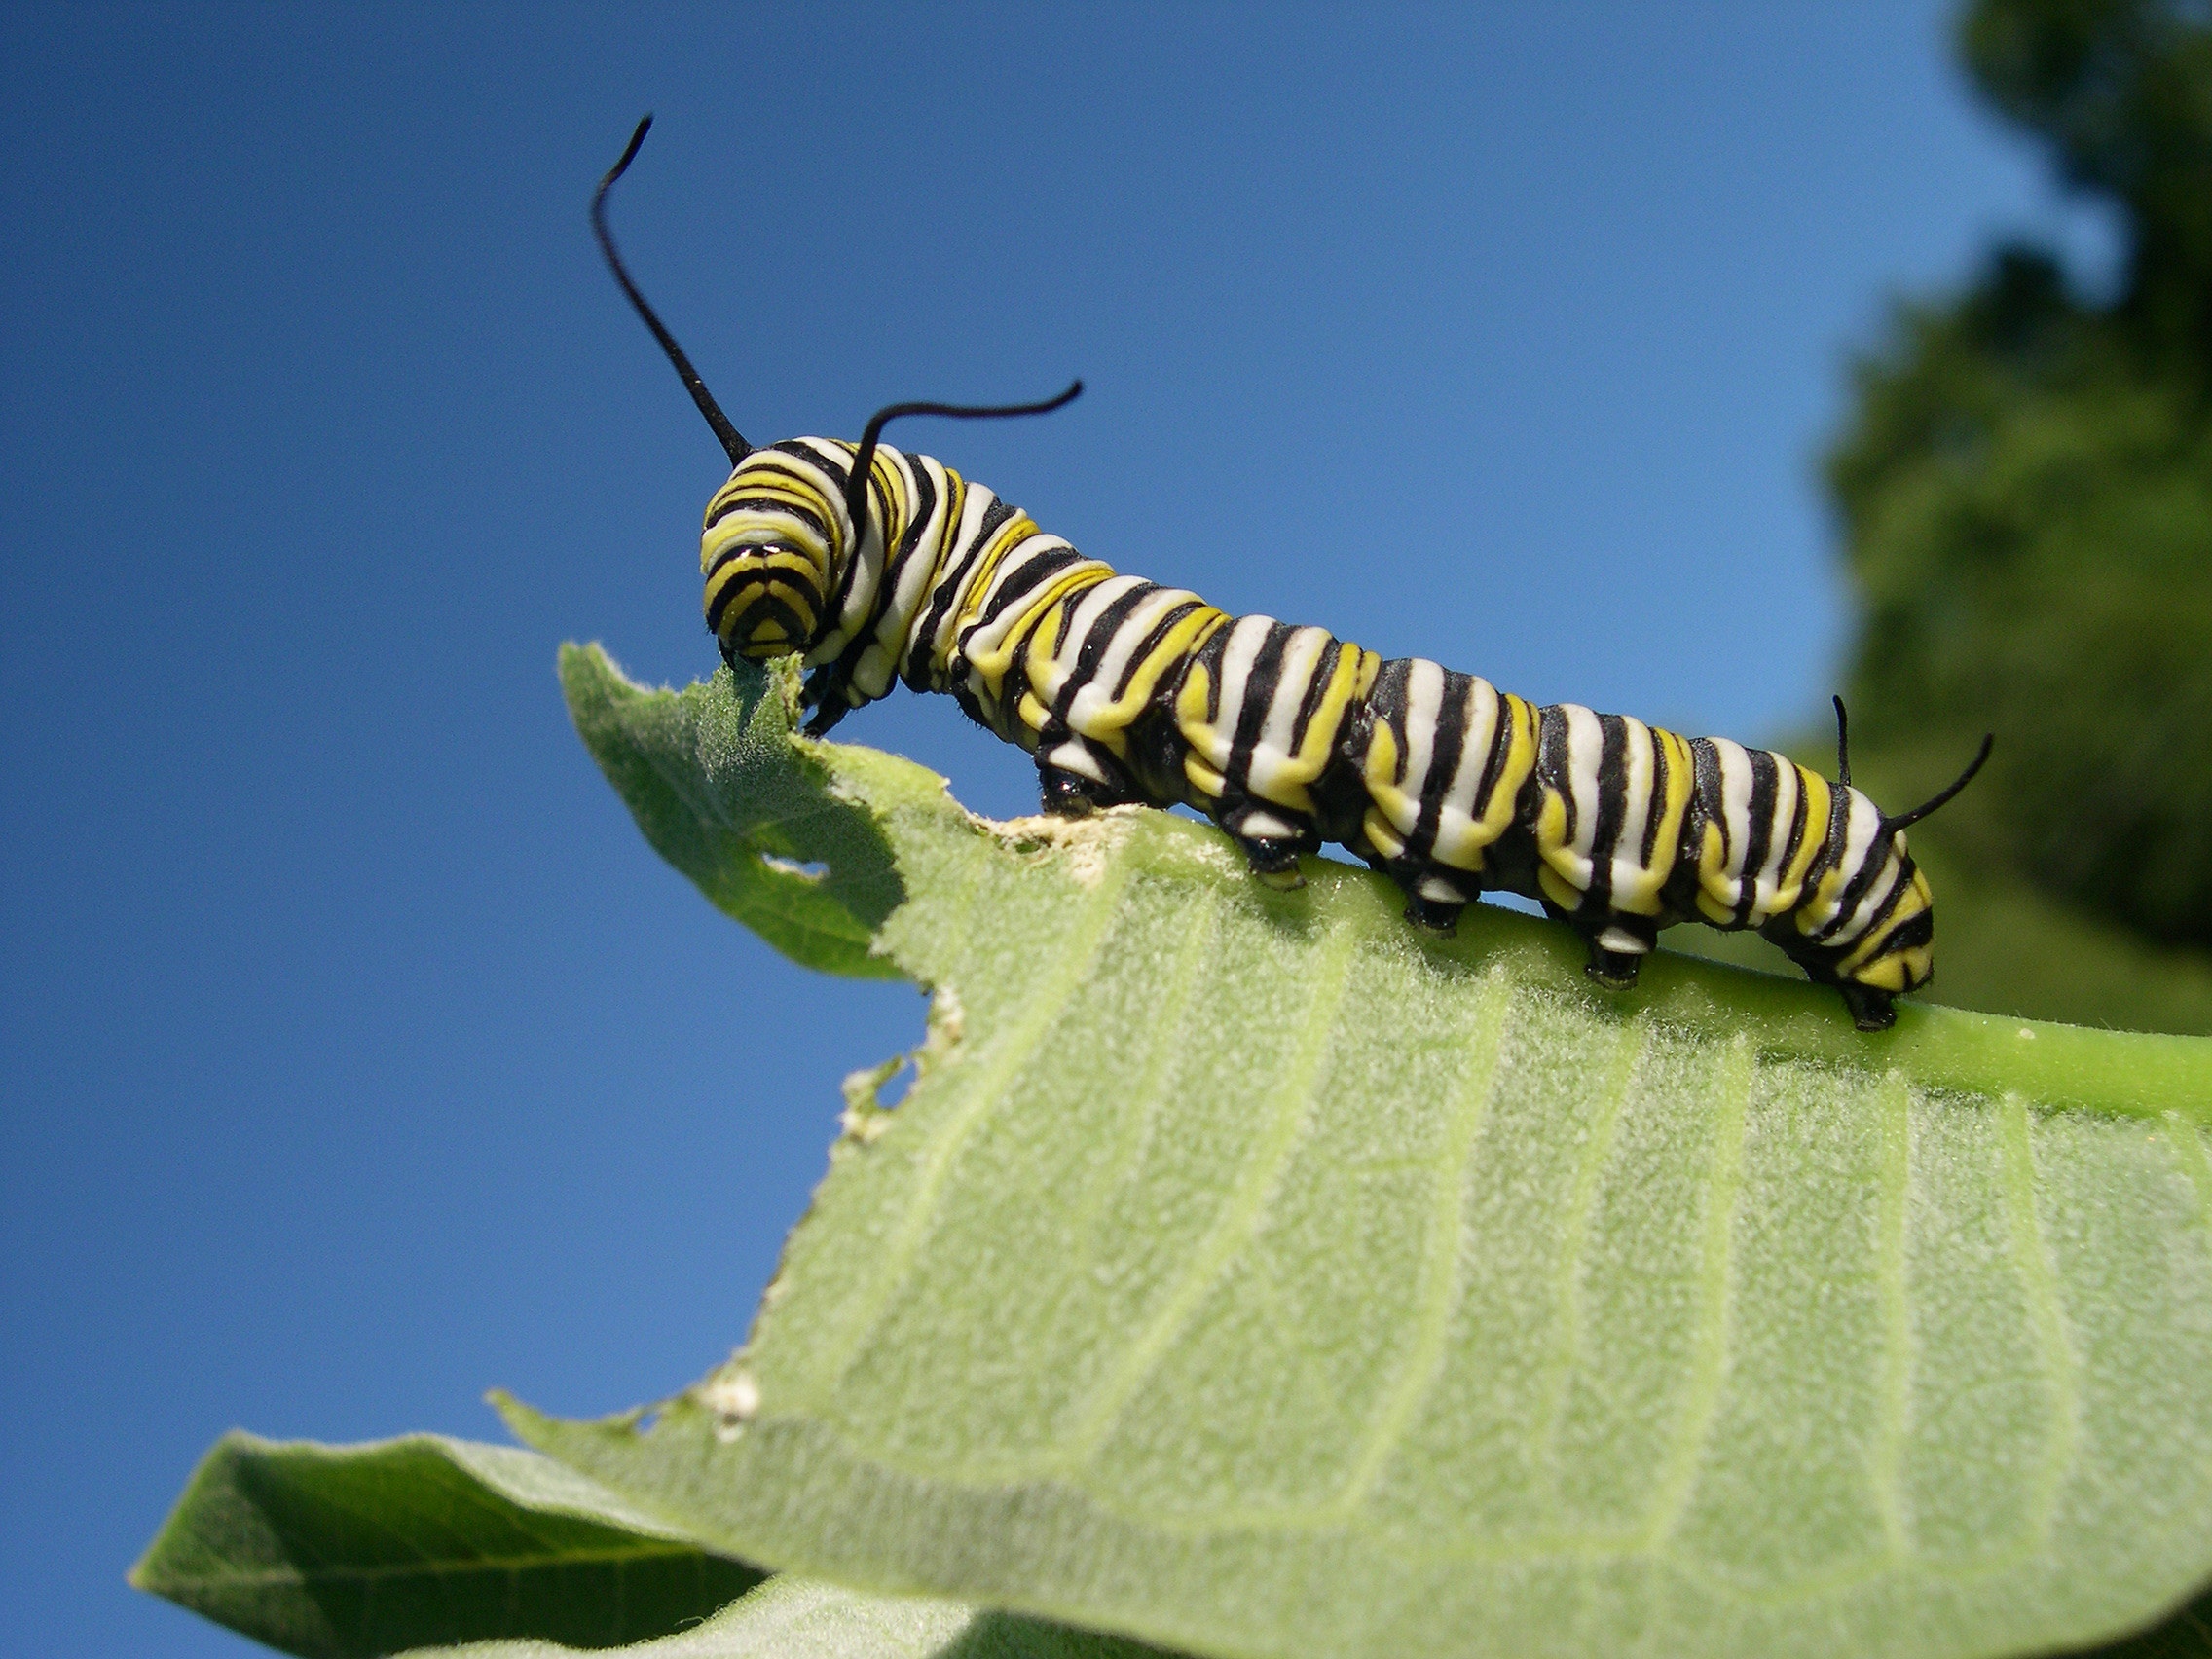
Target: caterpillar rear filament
{"type": "Point", "coordinates": [880, 567]}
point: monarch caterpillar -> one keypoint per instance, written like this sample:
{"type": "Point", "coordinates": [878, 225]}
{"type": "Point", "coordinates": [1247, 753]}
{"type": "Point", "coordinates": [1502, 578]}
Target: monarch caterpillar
{"type": "Point", "coordinates": [877, 566]}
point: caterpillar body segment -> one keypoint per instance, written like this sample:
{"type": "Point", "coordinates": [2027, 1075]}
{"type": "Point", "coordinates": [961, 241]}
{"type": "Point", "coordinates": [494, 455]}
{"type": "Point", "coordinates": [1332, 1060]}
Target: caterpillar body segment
{"type": "Point", "coordinates": [1126, 691]}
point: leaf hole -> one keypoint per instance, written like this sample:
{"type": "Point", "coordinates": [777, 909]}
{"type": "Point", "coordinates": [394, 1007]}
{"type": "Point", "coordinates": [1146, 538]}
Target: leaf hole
{"type": "Point", "coordinates": [893, 1087]}
{"type": "Point", "coordinates": [793, 868]}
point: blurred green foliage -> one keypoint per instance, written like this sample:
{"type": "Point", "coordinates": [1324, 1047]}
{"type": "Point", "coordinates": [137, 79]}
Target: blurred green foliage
{"type": "Point", "coordinates": [2025, 490]}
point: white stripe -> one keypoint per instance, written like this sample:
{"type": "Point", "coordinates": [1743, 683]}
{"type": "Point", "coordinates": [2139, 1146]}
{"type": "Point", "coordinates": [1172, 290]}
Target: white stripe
{"type": "Point", "coordinates": [1735, 809]}
{"type": "Point", "coordinates": [868, 576]}
{"type": "Point", "coordinates": [981, 639]}
{"type": "Point", "coordinates": [1075, 757]}
{"type": "Point", "coordinates": [1425, 705]}
{"type": "Point", "coordinates": [1640, 770]}
{"type": "Point", "coordinates": [1862, 826]}
{"type": "Point", "coordinates": [1585, 754]}
{"type": "Point", "coordinates": [1456, 840]}
{"type": "Point", "coordinates": [1769, 876]}
{"type": "Point", "coordinates": [1272, 753]}
{"type": "Point", "coordinates": [915, 577]}
{"type": "Point", "coordinates": [1217, 738]}
{"type": "Point", "coordinates": [960, 568]}
{"type": "Point", "coordinates": [1094, 704]}
{"type": "Point", "coordinates": [1862, 914]}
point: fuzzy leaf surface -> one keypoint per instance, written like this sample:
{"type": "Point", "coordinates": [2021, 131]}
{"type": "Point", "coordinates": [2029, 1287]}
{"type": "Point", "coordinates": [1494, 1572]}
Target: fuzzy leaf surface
{"type": "Point", "coordinates": [1250, 1273]}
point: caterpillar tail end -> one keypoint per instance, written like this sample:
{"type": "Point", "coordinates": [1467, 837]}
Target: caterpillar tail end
{"type": "Point", "coordinates": [1871, 1009]}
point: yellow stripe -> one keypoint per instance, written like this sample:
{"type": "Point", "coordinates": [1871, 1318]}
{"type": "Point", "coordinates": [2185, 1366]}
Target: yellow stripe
{"type": "Point", "coordinates": [1642, 897]}
{"type": "Point", "coordinates": [1007, 537]}
{"type": "Point", "coordinates": [1320, 740]}
{"type": "Point", "coordinates": [1174, 648]}
{"type": "Point", "coordinates": [1550, 825]}
{"type": "Point", "coordinates": [993, 666]}
{"type": "Point", "coordinates": [1380, 772]}
{"type": "Point", "coordinates": [1819, 806]}
{"type": "Point", "coordinates": [1558, 889]}
{"type": "Point", "coordinates": [1380, 834]}
{"type": "Point", "coordinates": [1916, 899]}
{"type": "Point", "coordinates": [1493, 815]}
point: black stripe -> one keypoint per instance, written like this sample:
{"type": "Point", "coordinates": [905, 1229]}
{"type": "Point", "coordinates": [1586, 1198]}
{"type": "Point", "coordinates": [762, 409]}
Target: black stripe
{"type": "Point", "coordinates": [1151, 642]}
{"type": "Point", "coordinates": [1447, 746]}
{"type": "Point", "coordinates": [902, 496]}
{"type": "Point", "coordinates": [1016, 586]}
{"type": "Point", "coordinates": [1259, 697]}
{"type": "Point", "coordinates": [1388, 703]}
{"type": "Point", "coordinates": [1918, 929]}
{"type": "Point", "coordinates": [1553, 758]}
{"type": "Point", "coordinates": [1761, 812]}
{"type": "Point", "coordinates": [1613, 807]}
{"type": "Point", "coordinates": [920, 504]}
{"type": "Point", "coordinates": [921, 632]}
{"type": "Point", "coordinates": [1500, 751]}
{"type": "Point", "coordinates": [1655, 808]}
{"type": "Point", "coordinates": [720, 604]}
{"type": "Point", "coordinates": [1832, 845]}
{"type": "Point", "coordinates": [796, 628]}
{"type": "Point", "coordinates": [1797, 823]}
{"type": "Point", "coordinates": [1865, 877]}
{"type": "Point", "coordinates": [735, 551]}
{"type": "Point", "coordinates": [771, 504]}
{"type": "Point", "coordinates": [1095, 641]}
{"type": "Point", "coordinates": [941, 602]}
{"type": "Point", "coordinates": [1709, 791]}
{"type": "Point", "coordinates": [1211, 658]}
{"type": "Point", "coordinates": [753, 496]}
{"type": "Point", "coordinates": [1887, 908]}
{"type": "Point", "coordinates": [1317, 683]}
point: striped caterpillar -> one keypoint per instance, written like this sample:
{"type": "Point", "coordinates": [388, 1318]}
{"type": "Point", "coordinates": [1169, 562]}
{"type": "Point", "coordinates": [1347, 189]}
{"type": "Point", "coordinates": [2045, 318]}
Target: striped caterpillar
{"type": "Point", "coordinates": [880, 567]}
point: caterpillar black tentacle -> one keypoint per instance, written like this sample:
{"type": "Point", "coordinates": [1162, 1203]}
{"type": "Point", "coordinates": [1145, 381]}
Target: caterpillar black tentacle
{"type": "Point", "coordinates": [880, 567]}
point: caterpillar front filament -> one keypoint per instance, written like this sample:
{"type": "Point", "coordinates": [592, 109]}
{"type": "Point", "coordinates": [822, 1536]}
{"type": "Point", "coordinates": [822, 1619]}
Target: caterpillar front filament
{"type": "Point", "coordinates": [880, 567]}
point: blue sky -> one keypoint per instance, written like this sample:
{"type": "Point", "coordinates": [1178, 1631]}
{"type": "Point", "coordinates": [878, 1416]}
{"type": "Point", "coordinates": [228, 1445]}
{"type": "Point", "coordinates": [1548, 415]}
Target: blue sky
{"type": "Point", "coordinates": [359, 1054]}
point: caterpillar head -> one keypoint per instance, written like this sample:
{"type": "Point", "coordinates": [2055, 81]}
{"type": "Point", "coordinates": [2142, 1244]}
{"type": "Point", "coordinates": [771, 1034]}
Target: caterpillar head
{"type": "Point", "coordinates": [772, 554]}
{"type": "Point", "coordinates": [779, 533]}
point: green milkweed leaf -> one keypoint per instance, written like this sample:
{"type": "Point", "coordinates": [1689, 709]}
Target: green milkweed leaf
{"type": "Point", "coordinates": [342, 1551]}
{"type": "Point", "coordinates": [1248, 1272]}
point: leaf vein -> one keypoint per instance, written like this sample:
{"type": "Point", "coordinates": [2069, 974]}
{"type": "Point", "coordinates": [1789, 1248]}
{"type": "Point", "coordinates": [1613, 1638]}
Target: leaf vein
{"type": "Point", "coordinates": [1708, 1348]}
{"type": "Point", "coordinates": [1240, 1217]}
{"type": "Point", "coordinates": [2031, 1258]}
{"type": "Point", "coordinates": [1443, 1252]}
